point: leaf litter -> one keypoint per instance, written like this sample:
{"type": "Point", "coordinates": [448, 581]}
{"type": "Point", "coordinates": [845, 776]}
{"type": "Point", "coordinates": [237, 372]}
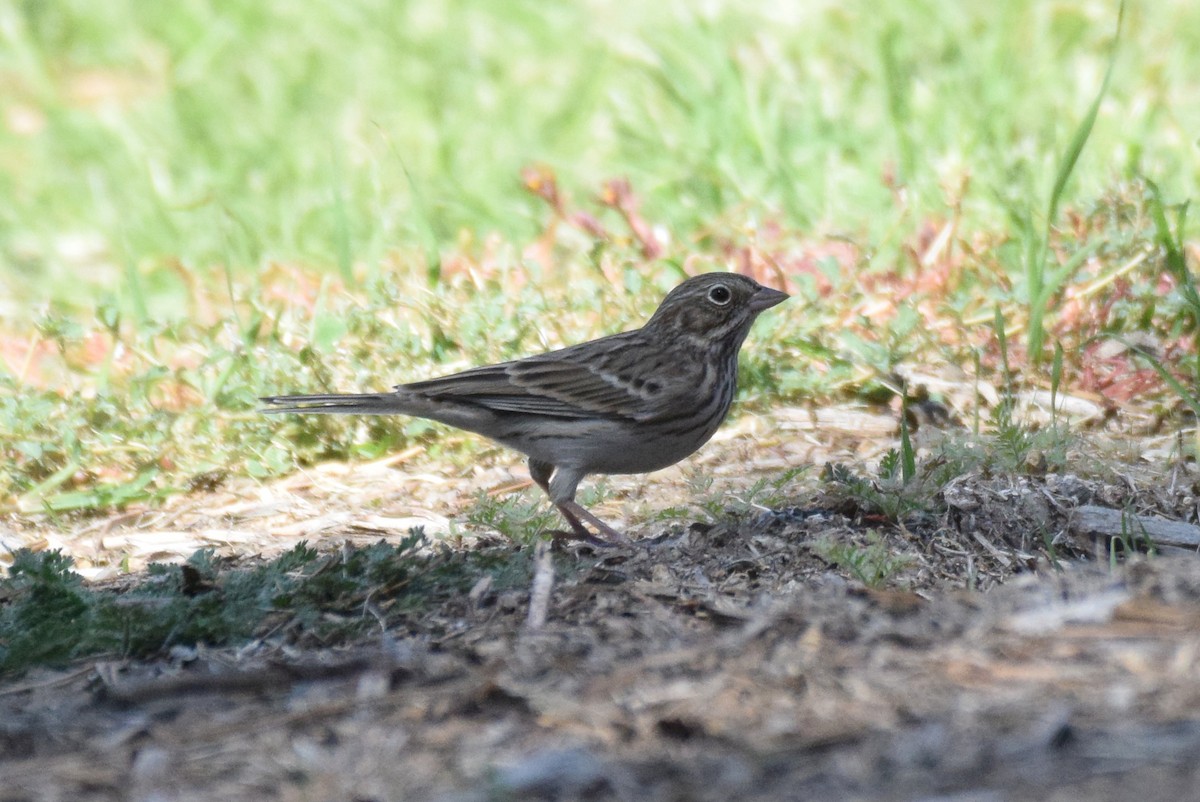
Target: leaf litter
{"type": "Point", "coordinates": [821, 636]}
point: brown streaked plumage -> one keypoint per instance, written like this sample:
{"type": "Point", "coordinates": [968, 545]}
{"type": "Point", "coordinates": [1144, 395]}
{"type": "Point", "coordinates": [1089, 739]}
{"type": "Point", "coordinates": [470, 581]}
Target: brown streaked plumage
{"type": "Point", "coordinates": [627, 403]}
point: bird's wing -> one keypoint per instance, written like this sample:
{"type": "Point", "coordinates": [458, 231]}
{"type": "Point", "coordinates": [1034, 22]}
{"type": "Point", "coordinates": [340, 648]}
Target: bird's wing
{"type": "Point", "coordinates": [554, 388]}
{"type": "Point", "coordinates": [571, 383]}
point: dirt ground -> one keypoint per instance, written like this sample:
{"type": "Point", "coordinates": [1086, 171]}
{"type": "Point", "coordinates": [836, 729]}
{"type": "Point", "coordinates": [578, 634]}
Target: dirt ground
{"type": "Point", "coordinates": [726, 657]}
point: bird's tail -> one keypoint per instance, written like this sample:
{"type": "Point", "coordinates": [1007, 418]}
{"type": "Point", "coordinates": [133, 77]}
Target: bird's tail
{"type": "Point", "coordinates": [335, 403]}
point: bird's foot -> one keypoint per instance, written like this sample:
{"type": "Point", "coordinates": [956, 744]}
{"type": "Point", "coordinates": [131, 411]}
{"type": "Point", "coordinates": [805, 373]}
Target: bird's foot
{"type": "Point", "coordinates": [605, 534]}
{"type": "Point", "coordinates": [562, 536]}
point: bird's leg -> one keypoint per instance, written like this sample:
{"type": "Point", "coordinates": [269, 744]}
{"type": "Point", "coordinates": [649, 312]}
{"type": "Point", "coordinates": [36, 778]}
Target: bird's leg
{"type": "Point", "coordinates": [580, 532]}
{"type": "Point", "coordinates": [540, 473]}
{"type": "Point", "coordinates": [573, 511]}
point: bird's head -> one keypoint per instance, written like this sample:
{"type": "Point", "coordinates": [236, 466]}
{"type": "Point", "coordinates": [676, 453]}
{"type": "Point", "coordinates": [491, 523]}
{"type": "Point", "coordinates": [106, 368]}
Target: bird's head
{"type": "Point", "coordinates": [717, 307]}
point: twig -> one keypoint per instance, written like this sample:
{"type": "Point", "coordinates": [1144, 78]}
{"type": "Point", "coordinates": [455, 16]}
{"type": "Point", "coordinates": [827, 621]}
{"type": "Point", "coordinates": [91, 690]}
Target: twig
{"type": "Point", "coordinates": [255, 680]}
{"type": "Point", "coordinates": [539, 591]}
{"type": "Point", "coordinates": [52, 682]}
{"type": "Point", "coordinates": [1096, 521]}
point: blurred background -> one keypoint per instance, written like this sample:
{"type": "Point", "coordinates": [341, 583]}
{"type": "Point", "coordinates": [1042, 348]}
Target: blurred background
{"type": "Point", "coordinates": [205, 202]}
{"type": "Point", "coordinates": [139, 142]}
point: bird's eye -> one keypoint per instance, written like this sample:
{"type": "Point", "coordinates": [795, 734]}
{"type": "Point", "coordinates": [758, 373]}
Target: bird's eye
{"type": "Point", "coordinates": [720, 295]}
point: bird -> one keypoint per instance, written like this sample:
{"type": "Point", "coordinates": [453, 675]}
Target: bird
{"type": "Point", "coordinates": [626, 403]}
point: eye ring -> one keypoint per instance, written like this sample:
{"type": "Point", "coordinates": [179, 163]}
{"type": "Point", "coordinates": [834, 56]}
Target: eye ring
{"type": "Point", "coordinates": [720, 295]}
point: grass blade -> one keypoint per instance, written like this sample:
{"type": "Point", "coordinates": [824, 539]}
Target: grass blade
{"type": "Point", "coordinates": [1040, 288]}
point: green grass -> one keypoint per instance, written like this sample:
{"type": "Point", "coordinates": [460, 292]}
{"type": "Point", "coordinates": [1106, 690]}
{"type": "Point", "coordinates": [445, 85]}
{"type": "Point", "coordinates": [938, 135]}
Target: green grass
{"type": "Point", "coordinates": [874, 564]}
{"type": "Point", "coordinates": [301, 598]}
{"type": "Point", "coordinates": [209, 202]}
{"type": "Point", "coordinates": [233, 136]}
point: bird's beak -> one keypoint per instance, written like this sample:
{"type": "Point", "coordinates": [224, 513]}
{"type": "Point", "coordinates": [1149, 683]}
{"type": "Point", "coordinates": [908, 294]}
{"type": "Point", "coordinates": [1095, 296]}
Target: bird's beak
{"type": "Point", "coordinates": [765, 298]}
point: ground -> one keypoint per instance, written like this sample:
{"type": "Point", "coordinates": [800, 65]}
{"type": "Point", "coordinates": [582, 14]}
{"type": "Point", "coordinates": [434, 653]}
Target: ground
{"type": "Point", "coordinates": [801, 646]}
